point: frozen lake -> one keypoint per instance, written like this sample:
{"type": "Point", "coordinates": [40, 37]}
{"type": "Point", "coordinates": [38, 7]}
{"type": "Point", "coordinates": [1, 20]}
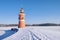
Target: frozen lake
{"type": "Point", "coordinates": [31, 33]}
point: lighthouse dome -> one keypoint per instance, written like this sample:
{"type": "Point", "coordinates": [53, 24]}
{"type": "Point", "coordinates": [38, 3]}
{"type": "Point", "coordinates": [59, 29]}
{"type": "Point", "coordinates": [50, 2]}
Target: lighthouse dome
{"type": "Point", "coordinates": [22, 10]}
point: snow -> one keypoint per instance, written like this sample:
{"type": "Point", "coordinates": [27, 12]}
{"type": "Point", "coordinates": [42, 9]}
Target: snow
{"type": "Point", "coordinates": [30, 33]}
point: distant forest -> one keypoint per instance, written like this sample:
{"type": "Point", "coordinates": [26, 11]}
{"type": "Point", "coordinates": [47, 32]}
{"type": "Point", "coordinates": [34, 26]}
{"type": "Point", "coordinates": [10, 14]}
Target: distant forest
{"type": "Point", "coordinates": [45, 24]}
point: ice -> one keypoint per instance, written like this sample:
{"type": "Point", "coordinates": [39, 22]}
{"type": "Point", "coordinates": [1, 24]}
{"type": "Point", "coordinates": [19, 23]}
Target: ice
{"type": "Point", "coordinates": [31, 33]}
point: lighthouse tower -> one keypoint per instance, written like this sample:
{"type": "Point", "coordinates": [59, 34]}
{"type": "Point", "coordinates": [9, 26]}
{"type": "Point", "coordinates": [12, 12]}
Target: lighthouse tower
{"type": "Point", "coordinates": [21, 19]}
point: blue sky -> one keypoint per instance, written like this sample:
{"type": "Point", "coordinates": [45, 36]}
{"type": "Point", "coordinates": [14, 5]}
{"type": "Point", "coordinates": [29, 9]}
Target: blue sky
{"type": "Point", "coordinates": [36, 11]}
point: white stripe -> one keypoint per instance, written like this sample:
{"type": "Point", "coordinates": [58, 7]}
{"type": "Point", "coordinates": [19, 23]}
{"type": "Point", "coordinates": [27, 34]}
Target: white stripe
{"type": "Point", "coordinates": [22, 20]}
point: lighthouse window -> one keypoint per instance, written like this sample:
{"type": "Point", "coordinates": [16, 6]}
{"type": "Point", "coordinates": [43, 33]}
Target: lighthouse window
{"type": "Point", "coordinates": [22, 17]}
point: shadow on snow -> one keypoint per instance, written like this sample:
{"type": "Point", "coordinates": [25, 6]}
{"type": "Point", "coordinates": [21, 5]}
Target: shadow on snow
{"type": "Point", "coordinates": [7, 34]}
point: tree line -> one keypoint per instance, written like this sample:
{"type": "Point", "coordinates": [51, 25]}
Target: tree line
{"type": "Point", "coordinates": [44, 24]}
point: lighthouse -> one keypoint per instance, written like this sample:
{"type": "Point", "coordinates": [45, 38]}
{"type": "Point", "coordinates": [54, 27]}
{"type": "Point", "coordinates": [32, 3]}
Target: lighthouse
{"type": "Point", "coordinates": [21, 19]}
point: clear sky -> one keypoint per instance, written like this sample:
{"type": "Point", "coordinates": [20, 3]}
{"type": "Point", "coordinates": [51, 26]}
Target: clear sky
{"type": "Point", "coordinates": [37, 11]}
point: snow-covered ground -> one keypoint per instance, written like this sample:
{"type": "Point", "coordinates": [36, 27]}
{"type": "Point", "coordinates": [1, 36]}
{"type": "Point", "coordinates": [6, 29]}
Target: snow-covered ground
{"type": "Point", "coordinates": [31, 33]}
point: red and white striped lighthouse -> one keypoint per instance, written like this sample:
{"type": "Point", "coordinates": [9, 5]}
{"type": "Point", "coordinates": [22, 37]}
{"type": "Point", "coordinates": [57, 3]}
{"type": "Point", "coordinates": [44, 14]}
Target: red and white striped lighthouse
{"type": "Point", "coordinates": [21, 19]}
